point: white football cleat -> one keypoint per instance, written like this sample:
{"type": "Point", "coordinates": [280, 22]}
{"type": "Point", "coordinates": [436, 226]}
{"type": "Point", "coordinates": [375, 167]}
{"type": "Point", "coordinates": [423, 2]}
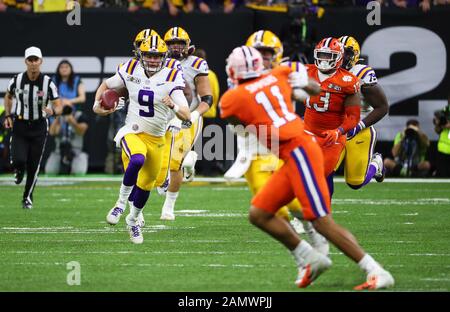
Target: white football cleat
{"type": "Point", "coordinates": [381, 172]}
{"type": "Point", "coordinates": [317, 241]}
{"type": "Point", "coordinates": [377, 279]}
{"type": "Point", "coordinates": [113, 216]}
{"type": "Point", "coordinates": [315, 265]}
{"type": "Point", "coordinates": [189, 166]}
{"type": "Point", "coordinates": [167, 216]}
{"type": "Point", "coordinates": [134, 229]}
{"type": "Point", "coordinates": [136, 234]}
{"type": "Point", "coordinates": [162, 189]}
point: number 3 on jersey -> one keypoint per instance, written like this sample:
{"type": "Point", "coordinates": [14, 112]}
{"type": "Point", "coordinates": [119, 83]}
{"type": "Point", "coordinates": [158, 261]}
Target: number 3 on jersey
{"type": "Point", "coordinates": [262, 99]}
{"type": "Point", "coordinates": [145, 98]}
{"type": "Point", "coordinates": [323, 99]}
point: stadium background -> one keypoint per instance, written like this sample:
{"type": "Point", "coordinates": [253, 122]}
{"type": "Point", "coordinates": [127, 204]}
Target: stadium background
{"type": "Point", "coordinates": [408, 51]}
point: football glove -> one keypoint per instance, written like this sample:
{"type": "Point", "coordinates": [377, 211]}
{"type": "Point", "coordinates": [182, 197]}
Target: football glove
{"type": "Point", "coordinates": [351, 134]}
{"type": "Point", "coordinates": [331, 136]}
{"type": "Point", "coordinates": [121, 104]}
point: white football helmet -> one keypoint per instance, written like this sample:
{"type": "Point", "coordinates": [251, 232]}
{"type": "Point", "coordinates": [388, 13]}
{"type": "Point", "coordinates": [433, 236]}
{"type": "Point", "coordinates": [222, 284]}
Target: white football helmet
{"type": "Point", "coordinates": [244, 63]}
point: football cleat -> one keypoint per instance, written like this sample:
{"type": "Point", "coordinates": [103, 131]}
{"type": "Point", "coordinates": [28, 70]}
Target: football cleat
{"type": "Point", "coordinates": [136, 234]}
{"type": "Point", "coordinates": [113, 216]}
{"type": "Point", "coordinates": [167, 216]}
{"type": "Point", "coordinates": [316, 265]}
{"type": "Point", "coordinates": [27, 204]}
{"type": "Point", "coordinates": [377, 280]}
{"type": "Point", "coordinates": [189, 166]}
{"type": "Point", "coordinates": [18, 176]}
{"type": "Point", "coordinates": [162, 190]}
{"type": "Point", "coordinates": [381, 172]}
{"type": "Point", "coordinates": [140, 220]}
{"type": "Point", "coordinates": [188, 174]}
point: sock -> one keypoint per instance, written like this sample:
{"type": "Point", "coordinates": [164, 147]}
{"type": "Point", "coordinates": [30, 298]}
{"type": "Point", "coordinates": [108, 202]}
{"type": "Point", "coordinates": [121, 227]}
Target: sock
{"type": "Point", "coordinates": [330, 184]}
{"type": "Point", "coordinates": [368, 264]}
{"type": "Point", "coordinates": [123, 195]}
{"type": "Point", "coordinates": [130, 178]}
{"type": "Point", "coordinates": [169, 203]}
{"type": "Point", "coordinates": [131, 197]}
{"type": "Point", "coordinates": [301, 252]}
{"type": "Point", "coordinates": [140, 198]}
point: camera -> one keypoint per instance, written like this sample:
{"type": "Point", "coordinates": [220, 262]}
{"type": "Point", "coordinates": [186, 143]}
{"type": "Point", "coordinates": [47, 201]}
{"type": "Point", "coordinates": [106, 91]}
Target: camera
{"type": "Point", "coordinates": [411, 133]}
{"type": "Point", "coordinates": [442, 116]}
{"type": "Point", "coordinates": [66, 110]}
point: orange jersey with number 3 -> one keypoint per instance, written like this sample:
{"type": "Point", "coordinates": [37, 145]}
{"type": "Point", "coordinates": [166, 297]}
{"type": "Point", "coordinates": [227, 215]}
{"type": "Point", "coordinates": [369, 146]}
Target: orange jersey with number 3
{"type": "Point", "coordinates": [267, 102]}
{"type": "Point", "coordinates": [326, 111]}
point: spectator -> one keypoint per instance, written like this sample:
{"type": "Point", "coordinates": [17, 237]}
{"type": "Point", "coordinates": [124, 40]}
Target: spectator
{"type": "Point", "coordinates": [441, 123]}
{"type": "Point", "coordinates": [24, 5]}
{"type": "Point", "coordinates": [175, 6]}
{"type": "Point", "coordinates": [68, 156]}
{"type": "Point", "coordinates": [409, 151]}
{"type": "Point", "coordinates": [154, 5]}
{"type": "Point", "coordinates": [228, 5]}
{"type": "Point", "coordinates": [70, 87]}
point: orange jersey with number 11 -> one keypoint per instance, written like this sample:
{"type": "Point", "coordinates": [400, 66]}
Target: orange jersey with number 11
{"type": "Point", "coordinates": [326, 111]}
{"type": "Point", "coordinates": [266, 101]}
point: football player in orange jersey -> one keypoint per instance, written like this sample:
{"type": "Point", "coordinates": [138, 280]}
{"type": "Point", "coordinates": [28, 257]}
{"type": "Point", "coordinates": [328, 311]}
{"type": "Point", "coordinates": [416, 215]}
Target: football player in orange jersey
{"type": "Point", "coordinates": [264, 102]}
{"type": "Point", "coordinates": [254, 161]}
{"type": "Point", "coordinates": [336, 110]}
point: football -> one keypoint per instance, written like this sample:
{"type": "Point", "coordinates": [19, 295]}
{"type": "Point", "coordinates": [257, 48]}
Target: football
{"type": "Point", "coordinates": [110, 99]}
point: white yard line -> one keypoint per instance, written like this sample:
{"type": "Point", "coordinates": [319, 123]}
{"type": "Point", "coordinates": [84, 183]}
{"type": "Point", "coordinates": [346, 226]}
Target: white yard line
{"type": "Point", "coordinates": [9, 180]}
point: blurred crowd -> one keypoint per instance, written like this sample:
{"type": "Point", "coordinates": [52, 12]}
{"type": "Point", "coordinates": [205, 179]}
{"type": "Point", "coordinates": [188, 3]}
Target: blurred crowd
{"type": "Point", "coordinates": [174, 7]}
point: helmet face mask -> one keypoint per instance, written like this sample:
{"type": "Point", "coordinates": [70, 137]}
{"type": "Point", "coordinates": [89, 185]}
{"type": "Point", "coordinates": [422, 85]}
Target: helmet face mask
{"type": "Point", "coordinates": [152, 54]}
{"type": "Point", "coordinates": [152, 61]}
{"type": "Point", "coordinates": [268, 55]}
{"type": "Point", "coordinates": [328, 55]}
{"type": "Point", "coordinates": [177, 49]}
{"type": "Point", "coordinates": [178, 41]}
{"type": "Point", "coordinates": [352, 51]}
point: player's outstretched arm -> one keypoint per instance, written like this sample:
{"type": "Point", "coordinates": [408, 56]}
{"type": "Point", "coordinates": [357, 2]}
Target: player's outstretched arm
{"type": "Point", "coordinates": [375, 97]}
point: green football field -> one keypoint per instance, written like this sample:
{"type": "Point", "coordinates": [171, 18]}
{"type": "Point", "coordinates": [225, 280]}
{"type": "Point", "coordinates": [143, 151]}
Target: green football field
{"type": "Point", "coordinates": [211, 246]}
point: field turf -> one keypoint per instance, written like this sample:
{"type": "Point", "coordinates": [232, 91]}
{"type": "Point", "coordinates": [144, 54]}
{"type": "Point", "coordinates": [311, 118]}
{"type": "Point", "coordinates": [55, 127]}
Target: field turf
{"type": "Point", "coordinates": [211, 246]}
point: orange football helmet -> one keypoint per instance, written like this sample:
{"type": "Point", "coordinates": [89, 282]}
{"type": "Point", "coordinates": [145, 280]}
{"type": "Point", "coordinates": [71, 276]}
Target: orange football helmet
{"type": "Point", "coordinates": [328, 54]}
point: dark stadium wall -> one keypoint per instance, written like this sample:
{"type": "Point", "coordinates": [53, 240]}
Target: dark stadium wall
{"type": "Point", "coordinates": [408, 51]}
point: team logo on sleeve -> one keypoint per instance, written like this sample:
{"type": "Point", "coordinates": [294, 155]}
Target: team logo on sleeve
{"type": "Point", "coordinates": [347, 78]}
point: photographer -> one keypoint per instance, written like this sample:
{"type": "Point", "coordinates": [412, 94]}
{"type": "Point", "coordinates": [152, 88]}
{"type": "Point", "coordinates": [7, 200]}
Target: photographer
{"type": "Point", "coordinates": [409, 151]}
{"type": "Point", "coordinates": [441, 123]}
{"type": "Point", "coordinates": [300, 34]}
{"type": "Point", "coordinates": [68, 156]}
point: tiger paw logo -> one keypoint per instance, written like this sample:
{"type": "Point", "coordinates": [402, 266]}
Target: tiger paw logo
{"type": "Point", "coordinates": [347, 78]}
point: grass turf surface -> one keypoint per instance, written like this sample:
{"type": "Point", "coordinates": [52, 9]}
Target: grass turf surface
{"type": "Point", "coordinates": [211, 246]}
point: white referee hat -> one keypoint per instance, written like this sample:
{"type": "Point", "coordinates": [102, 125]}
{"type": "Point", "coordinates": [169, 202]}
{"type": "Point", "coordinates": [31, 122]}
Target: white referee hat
{"type": "Point", "coordinates": [33, 51]}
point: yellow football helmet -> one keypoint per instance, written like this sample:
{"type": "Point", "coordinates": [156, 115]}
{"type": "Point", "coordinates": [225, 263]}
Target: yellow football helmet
{"type": "Point", "coordinates": [352, 51]}
{"type": "Point", "coordinates": [265, 39]}
{"type": "Point", "coordinates": [141, 36]}
{"type": "Point", "coordinates": [176, 35]}
{"type": "Point", "coordinates": [150, 48]}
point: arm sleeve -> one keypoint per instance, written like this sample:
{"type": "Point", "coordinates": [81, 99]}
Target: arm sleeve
{"type": "Point", "coordinates": [178, 97]}
{"type": "Point", "coordinates": [352, 116]}
{"type": "Point", "coordinates": [116, 81]}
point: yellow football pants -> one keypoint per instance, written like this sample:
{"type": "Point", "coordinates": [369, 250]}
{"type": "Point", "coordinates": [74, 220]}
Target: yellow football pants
{"type": "Point", "coordinates": [152, 148]}
{"type": "Point", "coordinates": [357, 155]}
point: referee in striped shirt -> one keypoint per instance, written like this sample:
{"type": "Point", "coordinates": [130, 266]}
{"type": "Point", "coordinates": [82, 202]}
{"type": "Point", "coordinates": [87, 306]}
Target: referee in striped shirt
{"type": "Point", "coordinates": [26, 106]}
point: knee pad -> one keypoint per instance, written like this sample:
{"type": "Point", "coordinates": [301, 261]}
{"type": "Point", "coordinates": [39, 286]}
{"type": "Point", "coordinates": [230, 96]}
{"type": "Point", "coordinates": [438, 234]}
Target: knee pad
{"type": "Point", "coordinates": [137, 160]}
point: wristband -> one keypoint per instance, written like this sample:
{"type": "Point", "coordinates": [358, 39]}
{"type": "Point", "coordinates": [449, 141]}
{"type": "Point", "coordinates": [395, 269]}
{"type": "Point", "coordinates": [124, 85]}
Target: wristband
{"type": "Point", "coordinates": [96, 104]}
